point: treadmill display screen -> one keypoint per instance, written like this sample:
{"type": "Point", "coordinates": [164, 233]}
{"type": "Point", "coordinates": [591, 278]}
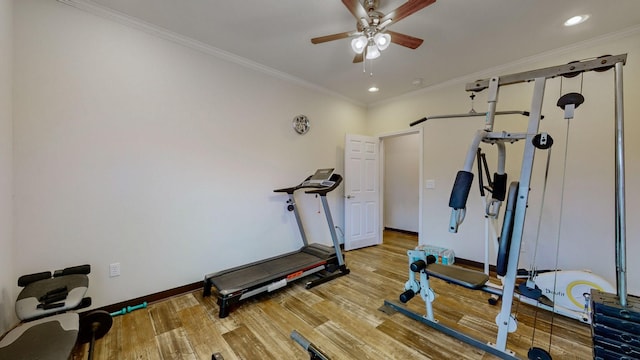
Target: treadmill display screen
{"type": "Point", "coordinates": [321, 175]}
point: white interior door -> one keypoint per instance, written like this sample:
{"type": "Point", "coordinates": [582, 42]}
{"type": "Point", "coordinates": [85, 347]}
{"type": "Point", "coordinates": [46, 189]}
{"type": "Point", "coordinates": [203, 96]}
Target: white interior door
{"type": "Point", "coordinates": [362, 192]}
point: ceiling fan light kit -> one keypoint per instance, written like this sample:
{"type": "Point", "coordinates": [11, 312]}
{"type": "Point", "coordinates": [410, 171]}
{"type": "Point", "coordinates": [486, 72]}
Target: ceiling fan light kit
{"type": "Point", "coordinates": [374, 44]}
{"type": "Point", "coordinates": [358, 44]}
{"type": "Point", "coordinates": [382, 40]}
{"type": "Point", "coordinates": [372, 51]}
{"type": "Point", "coordinates": [371, 28]}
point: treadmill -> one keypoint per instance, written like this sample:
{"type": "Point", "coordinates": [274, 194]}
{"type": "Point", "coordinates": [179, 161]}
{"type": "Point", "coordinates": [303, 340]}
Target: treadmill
{"type": "Point", "coordinates": [324, 262]}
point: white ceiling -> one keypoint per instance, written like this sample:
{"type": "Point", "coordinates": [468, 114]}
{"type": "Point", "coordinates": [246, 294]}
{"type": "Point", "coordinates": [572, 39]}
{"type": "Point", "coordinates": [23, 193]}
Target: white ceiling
{"type": "Point", "coordinates": [461, 37]}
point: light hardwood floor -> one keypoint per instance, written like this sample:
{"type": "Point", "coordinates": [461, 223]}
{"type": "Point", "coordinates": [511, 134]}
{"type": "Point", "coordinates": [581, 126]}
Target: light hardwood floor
{"type": "Point", "coordinates": [341, 317]}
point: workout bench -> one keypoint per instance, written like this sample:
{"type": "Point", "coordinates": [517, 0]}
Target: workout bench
{"type": "Point", "coordinates": [49, 330]}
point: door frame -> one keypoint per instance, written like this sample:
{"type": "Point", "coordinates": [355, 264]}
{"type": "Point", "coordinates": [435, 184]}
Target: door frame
{"type": "Point", "coordinates": [382, 137]}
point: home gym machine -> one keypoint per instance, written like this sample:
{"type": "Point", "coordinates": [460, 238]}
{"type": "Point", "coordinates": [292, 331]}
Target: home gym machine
{"type": "Point", "coordinates": [324, 262]}
{"type": "Point", "coordinates": [565, 292]}
{"type": "Point", "coordinates": [422, 267]}
{"type": "Point", "coordinates": [569, 288]}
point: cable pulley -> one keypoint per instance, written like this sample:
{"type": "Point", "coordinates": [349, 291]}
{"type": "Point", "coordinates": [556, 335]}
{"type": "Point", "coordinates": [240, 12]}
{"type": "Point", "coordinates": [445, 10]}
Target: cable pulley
{"type": "Point", "coordinates": [569, 102]}
{"type": "Point", "coordinates": [603, 69]}
{"type": "Point", "coordinates": [536, 353]}
{"type": "Point", "coordinates": [542, 141]}
{"type": "Point", "coordinates": [574, 98]}
{"type": "Point", "coordinates": [572, 74]}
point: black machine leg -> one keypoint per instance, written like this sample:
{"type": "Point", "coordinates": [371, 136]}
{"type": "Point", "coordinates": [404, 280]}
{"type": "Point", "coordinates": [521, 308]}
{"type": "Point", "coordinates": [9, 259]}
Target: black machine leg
{"type": "Point", "coordinates": [224, 308]}
{"type": "Point", "coordinates": [207, 288]}
{"type": "Point", "coordinates": [227, 304]}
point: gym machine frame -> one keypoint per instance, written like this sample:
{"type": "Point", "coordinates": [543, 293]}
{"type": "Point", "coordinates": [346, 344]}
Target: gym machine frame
{"type": "Point", "coordinates": [452, 273]}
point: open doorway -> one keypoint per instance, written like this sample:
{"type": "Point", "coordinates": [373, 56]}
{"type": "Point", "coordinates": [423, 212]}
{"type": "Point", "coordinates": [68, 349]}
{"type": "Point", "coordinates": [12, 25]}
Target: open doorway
{"type": "Point", "coordinates": [401, 176]}
{"type": "Point", "coordinates": [364, 187]}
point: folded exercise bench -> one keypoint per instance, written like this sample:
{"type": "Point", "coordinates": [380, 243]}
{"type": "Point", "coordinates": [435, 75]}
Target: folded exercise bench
{"type": "Point", "coordinates": [47, 338]}
{"type": "Point", "coordinates": [48, 329]}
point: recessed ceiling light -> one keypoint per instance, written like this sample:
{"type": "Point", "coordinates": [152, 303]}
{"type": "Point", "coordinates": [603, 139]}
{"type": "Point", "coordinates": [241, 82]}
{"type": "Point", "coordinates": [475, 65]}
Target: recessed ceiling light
{"type": "Point", "coordinates": [575, 20]}
{"type": "Point", "coordinates": [374, 89]}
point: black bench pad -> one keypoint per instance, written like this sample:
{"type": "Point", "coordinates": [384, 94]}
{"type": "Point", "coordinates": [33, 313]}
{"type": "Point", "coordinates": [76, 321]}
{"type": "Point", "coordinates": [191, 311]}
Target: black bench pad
{"type": "Point", "coordinates": [468, 278]}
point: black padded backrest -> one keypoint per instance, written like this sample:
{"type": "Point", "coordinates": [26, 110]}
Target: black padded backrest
{"type": "Point", "coordinates": [81, 269]}
{"type": "Point", "coordinates": [25, 280]}
{"type": "Point", "coordinates": [507, 229]}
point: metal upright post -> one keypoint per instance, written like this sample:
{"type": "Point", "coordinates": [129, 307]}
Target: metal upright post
{"type": "Point", "coordinates": [494, 86]}
{"type": "Point", "coordinates": [292, 202]}
{"type": "Point", "coordinates": [332, 229]}
{"type": "Point", "coordinates": [520, 213]}
{"type": "Point", "coordinates": [621, 245]}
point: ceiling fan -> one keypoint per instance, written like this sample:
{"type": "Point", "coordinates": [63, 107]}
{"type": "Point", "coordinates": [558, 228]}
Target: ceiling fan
{"type": "Point", "coordinates": [371, 35]}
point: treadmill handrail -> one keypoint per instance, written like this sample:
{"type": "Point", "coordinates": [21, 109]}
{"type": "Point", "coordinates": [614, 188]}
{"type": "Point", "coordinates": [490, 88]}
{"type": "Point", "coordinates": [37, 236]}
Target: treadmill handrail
{"type": "Point", "coordinates": [291, 190]}
{"type": "Point", "coordinates": [335, 178]}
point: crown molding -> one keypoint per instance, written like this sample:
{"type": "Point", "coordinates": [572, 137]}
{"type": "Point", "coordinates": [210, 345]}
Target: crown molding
{"type": "Point", "coordinates": [138, 24]}
{"type": "Point", "coordinates": [505, 68]}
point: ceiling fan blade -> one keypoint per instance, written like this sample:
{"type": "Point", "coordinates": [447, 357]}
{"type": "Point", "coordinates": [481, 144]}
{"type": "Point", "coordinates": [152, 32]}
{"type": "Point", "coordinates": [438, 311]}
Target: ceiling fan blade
{"type": "Point", "coordinates": [405, 10]}
{"type": "Point", "coordinates": [405, 40]}
{"type": "Point", "coordinates": [356, 8]}
{"type": "Point", "coordinates": [358, 58]}
{"type": "Point", "coordinates": [342, 35]}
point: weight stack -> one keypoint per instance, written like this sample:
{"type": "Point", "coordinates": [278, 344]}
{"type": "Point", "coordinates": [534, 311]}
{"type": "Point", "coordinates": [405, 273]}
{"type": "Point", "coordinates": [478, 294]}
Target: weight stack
{"type": "Point", "coordinates": [615, 329]}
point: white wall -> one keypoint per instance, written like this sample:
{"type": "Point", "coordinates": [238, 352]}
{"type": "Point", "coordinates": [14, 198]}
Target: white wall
{"type": "Point", "coordinates": [587, 230]}
{"type": "Point", "coordinates": [133, 149]}
{"type": "Point", "coordinates": [129, 148]}
{"type": "Point", "coordinates": [401, 177]}
{"type": "Point", "coordinates": [7, 274]}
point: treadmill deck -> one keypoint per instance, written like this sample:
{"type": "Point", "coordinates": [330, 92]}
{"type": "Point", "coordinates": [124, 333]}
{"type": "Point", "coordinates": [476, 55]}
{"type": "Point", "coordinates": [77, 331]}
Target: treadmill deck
{"type": "Point", "coordinates": [272, 269]}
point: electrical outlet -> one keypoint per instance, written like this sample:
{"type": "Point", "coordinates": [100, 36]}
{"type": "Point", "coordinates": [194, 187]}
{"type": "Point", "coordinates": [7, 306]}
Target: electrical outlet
{"type": "Point", "coordinates": [114, 269]}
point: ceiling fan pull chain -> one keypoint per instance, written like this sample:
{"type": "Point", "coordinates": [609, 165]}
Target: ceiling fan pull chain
{"type": "Point", "coordinates": [371, 67]}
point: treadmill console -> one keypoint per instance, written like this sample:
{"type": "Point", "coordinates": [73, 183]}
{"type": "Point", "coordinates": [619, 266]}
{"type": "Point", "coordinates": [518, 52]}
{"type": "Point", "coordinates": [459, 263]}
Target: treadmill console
{"type": "Point", "coordinates": [321, 182]}
{"type": "Point", "coordinates": [321, 178]}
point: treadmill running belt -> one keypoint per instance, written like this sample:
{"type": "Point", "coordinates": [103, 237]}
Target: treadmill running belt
{"type": "Point", "coordinates": [261, 272]}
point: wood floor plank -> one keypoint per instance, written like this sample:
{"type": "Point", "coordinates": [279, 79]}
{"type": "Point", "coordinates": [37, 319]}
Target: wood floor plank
{"type": "Point", "coordinates": [352, 306]}
{"type": "Point", "coordinates": [351, 346]}
{"type": "Point", "coordinates": [138, 335]}
{"type": "Point", "coordinates": [367, 332]}
{"type": "Point", "coordinates": [269, 333]}
{"type": "Point", "coordinates": [184, 301]}
{"type": "Point", "coordinates": [304, 311]}
{"type": "Point", "coordinates": [284, 318]}
{"type": "Point", "coordinates": [427, 341]}
{"type": "Point", "coordinates": [164, 317]}
{"type": "Point", "coordinates": [298, 291]}
{"type": "Point", "coordinates": [247, 346]}
{"type": "Point", "coordinates": [288, 321]}
{"type": "Point", "coordinates": [174, 345]}
{"type": "Point", "coordinates": [204, 336]}
{"type": "Point", "coordinates": [341, 317]}
{"type": "Point", "coordinates": [365, 292]}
